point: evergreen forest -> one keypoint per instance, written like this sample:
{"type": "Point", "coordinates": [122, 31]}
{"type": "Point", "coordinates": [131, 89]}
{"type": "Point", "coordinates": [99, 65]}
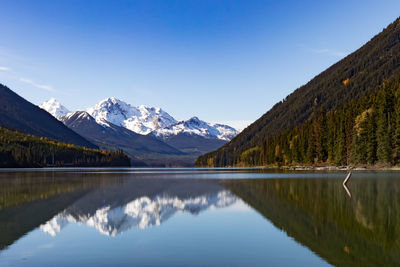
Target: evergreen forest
{"type": "Point", "coordinates": [362, 132]}
{"type": "Point", "coordinates": [346, 115]}
{"type": "Point", "coordinates": [18, 149]}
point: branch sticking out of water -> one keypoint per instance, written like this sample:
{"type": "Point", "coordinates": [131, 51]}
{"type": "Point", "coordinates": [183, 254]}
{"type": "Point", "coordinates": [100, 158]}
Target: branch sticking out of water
{"type": "Point", "coordinates": [345, 182]}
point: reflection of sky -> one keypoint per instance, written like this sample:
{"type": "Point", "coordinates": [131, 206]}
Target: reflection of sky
{"type": "Point", "coordinates": [237, 206]}
{"type": "Point", "coordinates": [233, 235]}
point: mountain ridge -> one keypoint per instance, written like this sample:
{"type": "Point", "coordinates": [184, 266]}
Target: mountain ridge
{"type": "Point", "coordinates": [113, 137]}
{"type": "Point", "coordinates": [19, 114]}
{"type": "Point", "coordinates": [148, 134]}
{"type": "Point", "coordinates": [140, 119]}
{"type": "Point", "coordinates": [144, 119]}
{"type": "Point", "coordinates": [352, 78]}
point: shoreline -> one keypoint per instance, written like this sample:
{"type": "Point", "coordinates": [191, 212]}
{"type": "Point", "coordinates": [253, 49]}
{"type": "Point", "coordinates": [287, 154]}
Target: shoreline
{"type": "Point", "coordinates": [337, 168]}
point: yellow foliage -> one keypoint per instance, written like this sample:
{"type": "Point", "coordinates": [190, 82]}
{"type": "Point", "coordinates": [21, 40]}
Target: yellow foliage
{"type": "Point", "coordinates": [248, 155]}
{"type": "Point", "coordinates": [360, 119]}
{"type": "Point", "coordinates": [210, 162]}
{"type": "Point", "coordinates": [291, 142]}
{"type": "Point", "coordinates": [277, 151]}
{"type": "Point", "coordinates": [345, 82]}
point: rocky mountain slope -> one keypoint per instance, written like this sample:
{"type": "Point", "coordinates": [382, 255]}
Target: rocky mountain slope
{"type": "Point", "coordinates": [141, 119]}
{"type": "Point", "coordinates": [146, 133]}
{"type": "Point", "coordinates": [110, 136]}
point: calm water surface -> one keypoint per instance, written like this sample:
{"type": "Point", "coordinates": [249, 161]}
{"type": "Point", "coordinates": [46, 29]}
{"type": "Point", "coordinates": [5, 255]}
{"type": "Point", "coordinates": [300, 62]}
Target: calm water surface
{"type": "Point", "coordinates": [198, 217]}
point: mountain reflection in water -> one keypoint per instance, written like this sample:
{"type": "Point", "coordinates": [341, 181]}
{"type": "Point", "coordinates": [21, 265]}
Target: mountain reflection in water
{"type": "Point", "coordinates": [140, 203]}
{"type": "Point", "coordinates": [317, 213]}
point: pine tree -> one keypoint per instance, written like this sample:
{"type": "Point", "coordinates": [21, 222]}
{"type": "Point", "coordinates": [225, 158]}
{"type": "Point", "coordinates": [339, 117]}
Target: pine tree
{"type": "Point", "coordinates": [340, 144]}
{"type": "Point", "coordinates": [396, 126]}
{"type": "Point", "coordinates": [322, 142]}
{"type": "Point", "coordinates": [384, 127]}
{"type": "Point", "coordinates": [371, 138]}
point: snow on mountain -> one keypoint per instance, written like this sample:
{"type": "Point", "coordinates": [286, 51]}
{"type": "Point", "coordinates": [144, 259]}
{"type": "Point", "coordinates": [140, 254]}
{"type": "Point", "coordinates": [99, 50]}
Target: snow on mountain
{"type": "Point", "coordinates": [140, 119]}
{"type": "Point", "coordinates": [77, 115]}
{"type": "Point", "coordinates": [55, 108]}
{"type": "Point", "coordinates": [142, 212]}
{"type": "Point", "coordinates": [198, 127]}
{"type": "Point", "coordinates": [144, 120]}
{"type": "Point", "coordinates": [226, 132]}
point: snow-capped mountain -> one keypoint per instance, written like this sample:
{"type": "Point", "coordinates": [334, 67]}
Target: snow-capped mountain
{"type": "Point", "coordinates": [55, 108]}
{"type": "Point", "coordinates": [140, 119]}
{"type": "Point", "coordinates": [195, 126]}
{"type": "Point", "coordinates": [142, 212]}
{"type": "Point", "coordinates": [144, 120]}
{"type": "Point", "coordinates": [111, 135]}
{"type": "Point", "coordinates": [160, 139]}
{"type": "Point", "coordinates": [77, 115]}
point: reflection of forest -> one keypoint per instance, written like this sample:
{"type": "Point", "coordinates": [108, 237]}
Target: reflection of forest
{"type": "Point", "coordinates": [19, 187]}
{"type": "Point", "coordinates": [362, 230]}
{"type": "Point", "coordinates": [29, 199]}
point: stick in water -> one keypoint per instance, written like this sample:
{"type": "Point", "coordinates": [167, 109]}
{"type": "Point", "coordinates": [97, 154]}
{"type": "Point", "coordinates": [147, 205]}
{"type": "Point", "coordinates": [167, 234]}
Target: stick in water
{"type": "Point", "coordinates": [344, 184]}
{"type": "Point", "coordinates": [347, 178]}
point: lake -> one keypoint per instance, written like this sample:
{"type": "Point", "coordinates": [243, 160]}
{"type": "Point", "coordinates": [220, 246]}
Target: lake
{"type": "Point", "coordinates": [198, 217]}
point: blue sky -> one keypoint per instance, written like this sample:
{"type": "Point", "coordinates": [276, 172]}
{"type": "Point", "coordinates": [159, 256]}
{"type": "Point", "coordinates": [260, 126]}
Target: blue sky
{"type": "Point", "coordinates": [223, 61]}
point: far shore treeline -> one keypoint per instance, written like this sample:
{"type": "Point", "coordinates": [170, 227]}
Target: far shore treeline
{"type": "Point", "coordinates": [18, 149]}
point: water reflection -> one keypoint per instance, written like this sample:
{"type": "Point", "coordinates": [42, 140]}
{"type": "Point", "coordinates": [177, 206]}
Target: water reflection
{"type": "Point", "coordinates": [363, 230]}
{"type": "Point", "coordinates": [140, 203]}
{"type": "Point", "coordinates": [316, 213]}
{"type": "Point", "coordinates": [29, 199]}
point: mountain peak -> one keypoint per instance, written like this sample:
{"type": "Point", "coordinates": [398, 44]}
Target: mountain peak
{"type": "Point", "coordinates": [194, 119]}
{"type": "Point", "coordinates": [54, 107]}
{"type": "Point", "coordinates": [112, 100]}
{"type": "Point", "coordinates": [198, 127]}
{"type": "Point", "coordinates": [79, 115]}
{"type": "Point", "coordinates": [141, 119]}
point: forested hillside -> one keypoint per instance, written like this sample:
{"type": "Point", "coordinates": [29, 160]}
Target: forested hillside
{"type": "Point", "coordinates": [22, 150]}
{"type": "Point", "coordinates": [18, 113]}
{"type": "Point", "coordinates": [358, 76]}
{"type": "Point", "coordinates": [366, 131]}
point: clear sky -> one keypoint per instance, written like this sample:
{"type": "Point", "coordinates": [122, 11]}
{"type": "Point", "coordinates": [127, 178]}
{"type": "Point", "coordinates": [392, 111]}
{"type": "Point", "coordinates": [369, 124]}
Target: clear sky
{"type": "Point", "coordinates": [223, 61]}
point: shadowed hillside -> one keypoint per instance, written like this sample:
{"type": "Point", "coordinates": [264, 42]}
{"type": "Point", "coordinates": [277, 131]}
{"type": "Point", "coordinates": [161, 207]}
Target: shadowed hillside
{"type": "Point", "coordinates": [350, 79]}
{"type": "Point", "coordinates": [19, 114]}
{"type": "Point", "coordinates": [23, 150]}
